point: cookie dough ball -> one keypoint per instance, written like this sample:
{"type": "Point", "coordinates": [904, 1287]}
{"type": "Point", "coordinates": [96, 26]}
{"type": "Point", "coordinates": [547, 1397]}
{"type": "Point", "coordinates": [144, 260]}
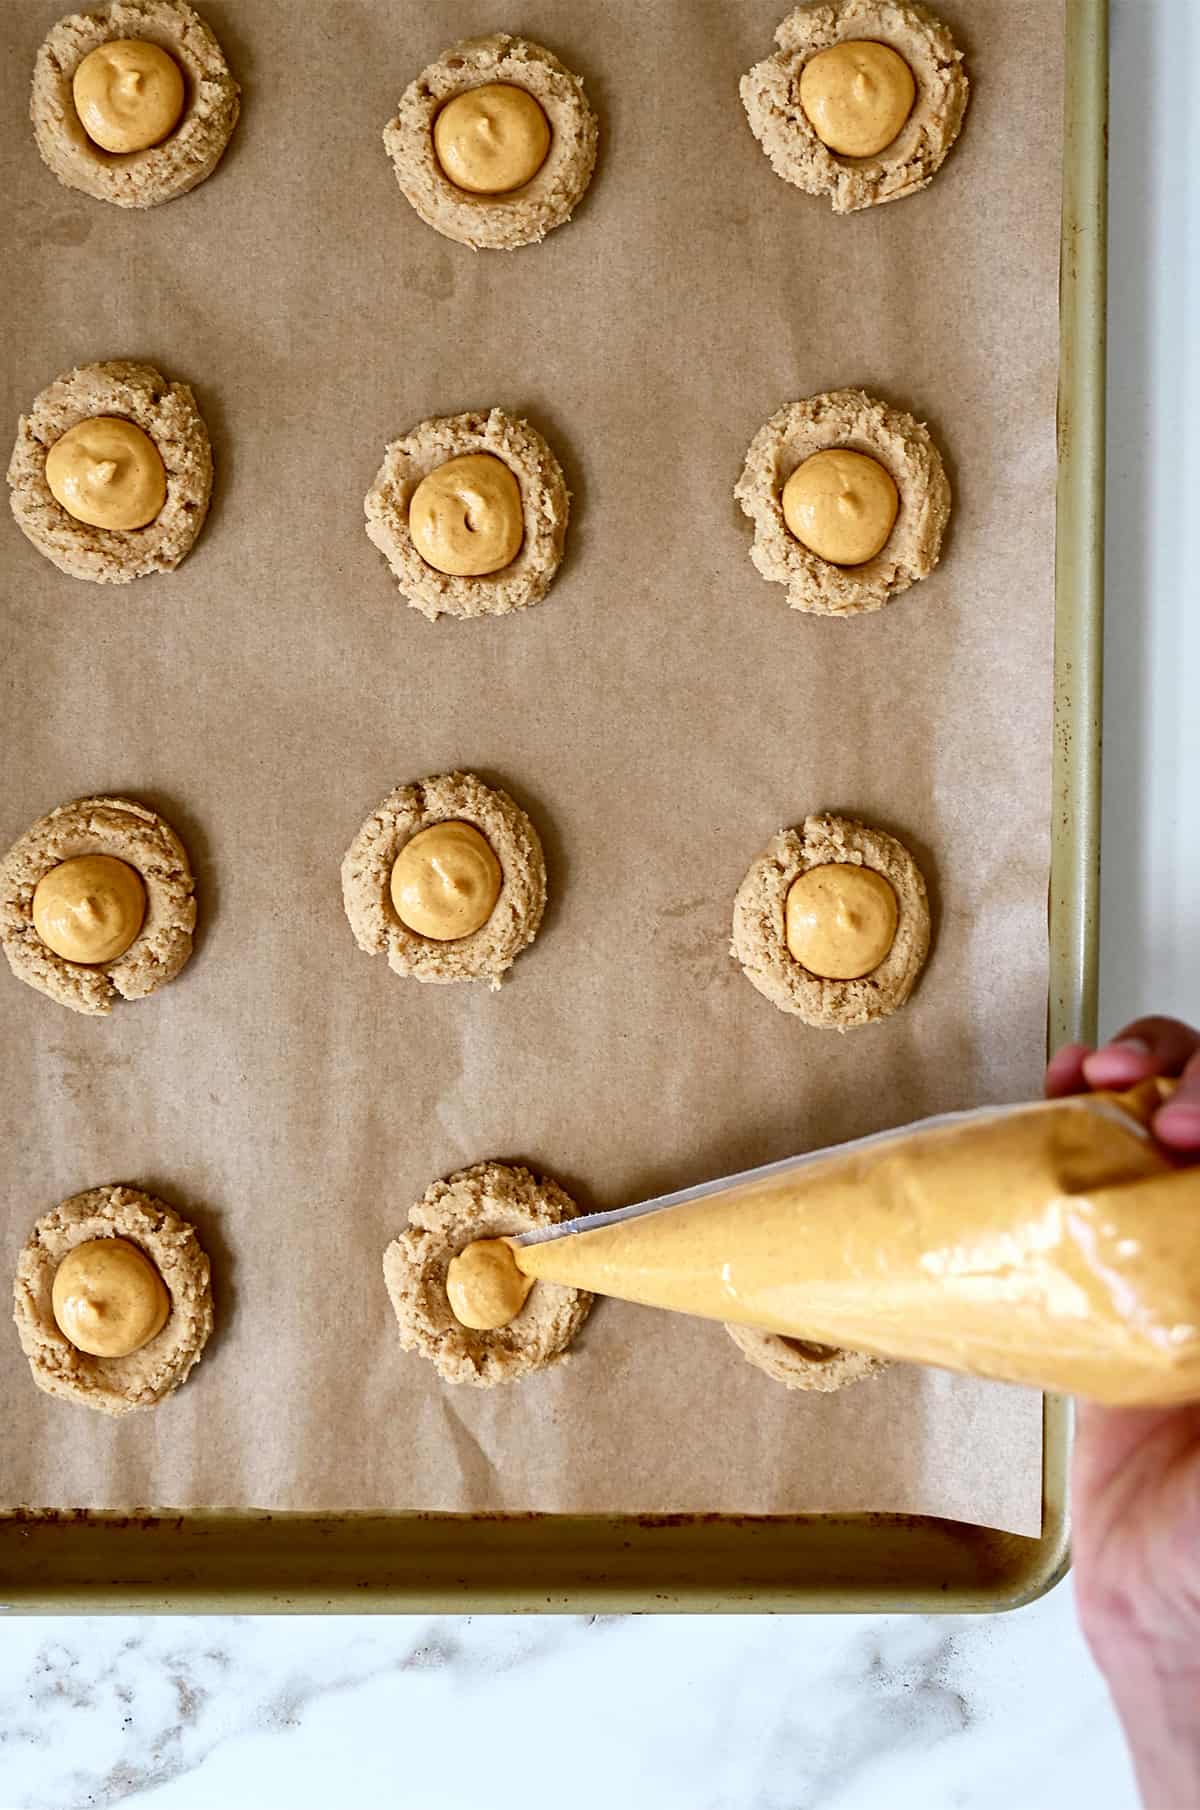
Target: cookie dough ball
{"type": "Point", "coordinates": [861, 102]}
{"type": "Point", "coordinates": [470, 512]}
{"type": "Point", "coordinates": [112, 1300]}
{"type": "Point", "coordinates": [96, 904]}
{"type": "Point", "coordinates": [133, 103]}
{"type": "Point", "coordinates": [489, 1201]}
{"type": "Point", "coordinates": [447, 878]}
{"type": "Point", "coordinates": [495, 143]}
{"type": "Point", "coordinates": [799, 1365]}
{"type": "Point", "coordinates": [832, 923]}
{"type": "Point", "coordinates": [849, 500]}
{"type": "Point", "coordinates": [111, 474]}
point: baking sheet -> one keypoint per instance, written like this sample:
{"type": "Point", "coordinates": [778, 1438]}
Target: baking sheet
{"type": "Point", "coordinates": [660, 715]}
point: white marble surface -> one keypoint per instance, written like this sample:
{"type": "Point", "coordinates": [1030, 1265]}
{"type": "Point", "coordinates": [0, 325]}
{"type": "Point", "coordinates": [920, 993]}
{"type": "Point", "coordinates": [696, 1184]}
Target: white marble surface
{"type": "Point", "coordinates": [666, 1713]}
{"type": "Point", "coordinates": [928, 1713]}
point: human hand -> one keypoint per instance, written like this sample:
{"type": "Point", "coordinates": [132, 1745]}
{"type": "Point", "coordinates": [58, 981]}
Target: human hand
{"type": "Point", "coordinates": [1148, 1047]}
{"type": "Point", "coordinates": [1136, 1480]}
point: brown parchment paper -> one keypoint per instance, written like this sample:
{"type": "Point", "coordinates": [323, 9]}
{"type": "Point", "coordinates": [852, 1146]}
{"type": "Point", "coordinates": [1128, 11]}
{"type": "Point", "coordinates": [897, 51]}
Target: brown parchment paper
{"type": "Point", "coordinates": [660, 716]}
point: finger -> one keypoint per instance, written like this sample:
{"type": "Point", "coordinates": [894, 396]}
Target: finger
{"type": "Point", "coordinates": [1120, 1063]}
{"type": "Point", "coordinates": [1149, 1046]}
{"type": "Point", "coordinates": [1064, 1072]}
{"type": "Point", "coordinates": [1177, 1124]}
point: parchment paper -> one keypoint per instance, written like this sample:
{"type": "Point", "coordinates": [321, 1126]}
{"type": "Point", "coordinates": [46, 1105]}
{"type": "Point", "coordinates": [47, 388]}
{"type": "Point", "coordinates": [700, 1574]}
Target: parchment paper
{"type": "Point", "coordinates": [660, 715]}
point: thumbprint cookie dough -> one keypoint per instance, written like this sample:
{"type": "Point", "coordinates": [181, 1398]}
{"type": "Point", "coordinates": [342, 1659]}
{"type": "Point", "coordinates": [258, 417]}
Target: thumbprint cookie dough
{"type": "Point", "coordinates": [832, 923]}
{"type": "Point", "coordinates": [849, 500]}
{"type": "Point", "coordinates": [861, 102]}
{"type": "Point", "coordinates": [470, 512]}
{"type": "Point", "coordinates": [133, 103]}
{"type": "Point", "coordinates": [423, 1272]}
{"type": "Point", "coordinates": [111, 473]}
{"type": "Point", "coordinates": [494, 144]}
{"type": "Point", "coordinates": [96, 904]}
{"type": "Point", "coordinates": [447, 878]}
{"type": "Point", "coordinates": [797, 1364]}
{"type": "Point", "coordinates": [112, 1300]}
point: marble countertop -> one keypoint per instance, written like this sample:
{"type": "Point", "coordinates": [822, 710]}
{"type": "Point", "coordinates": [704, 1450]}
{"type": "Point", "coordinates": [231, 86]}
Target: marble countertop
{"type": "Point", "coordinates": [739, 1713]}
{"type": "Point", "coordinates": [670, 1712]}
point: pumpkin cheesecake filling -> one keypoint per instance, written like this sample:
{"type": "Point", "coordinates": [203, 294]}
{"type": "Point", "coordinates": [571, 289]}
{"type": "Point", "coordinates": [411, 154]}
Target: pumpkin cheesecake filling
{"type": "Point", "coordinates": [108, 1298]}
{"type": "Point", "coordinates": [466, 517]}
{"type": "Point", "coordinates": [107, 472]}
{"type": "Point", "coordinates": [842, 505]}
{"type": "Point", "coordinates": [492, 139]}
{"type": "Point", "coordinates": [89, 909]}
{"type": "Point", "coordinates": [445, 881]}
{"type": "Point", "coordinates": [857, 95]}
{"type": "Point", "coordinates": [485, 1288]}
{"type": "Point", "coordinates": [840, 920]}
{"type": "Point", "coordinates": [128, 94]}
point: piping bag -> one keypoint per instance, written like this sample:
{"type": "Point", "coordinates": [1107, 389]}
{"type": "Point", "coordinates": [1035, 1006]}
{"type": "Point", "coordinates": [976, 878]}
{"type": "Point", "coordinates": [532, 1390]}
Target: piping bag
{"type": "Point", "coordinates": [1052, 1244]}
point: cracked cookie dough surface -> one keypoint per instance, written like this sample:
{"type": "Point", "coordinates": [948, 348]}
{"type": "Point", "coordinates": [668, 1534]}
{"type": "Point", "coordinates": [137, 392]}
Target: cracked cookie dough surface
{"type": "Point", "coordinates": [760, 930]}
{"type": "Point", "coordinates": [167, 414]}
{"type": "Point", "coordinates": [799, 1365]}
{"type": "Point", "coordinates": [852, 420]}
{"type": "Point", "coordinates": [545, 505]}
{"type": "Point", "coordinates": [192, 149]}
{"type": "Point", "coordinates": [490, 1200]}
{"type": "Point", "coordinates": [113, 1385]}
{"type": "Point", "coordinates": [487, 953]}
{"type": "Point", "coordinates": [771, 96]}
{"type": "Point", "coordinates": [133, 834]}
{"type": "Point", "coordinates": [524, 215]}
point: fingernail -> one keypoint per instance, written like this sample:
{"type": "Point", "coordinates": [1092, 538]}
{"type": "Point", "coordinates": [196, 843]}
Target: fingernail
{"type": "Point", "coordinates": [1134, 1046]}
